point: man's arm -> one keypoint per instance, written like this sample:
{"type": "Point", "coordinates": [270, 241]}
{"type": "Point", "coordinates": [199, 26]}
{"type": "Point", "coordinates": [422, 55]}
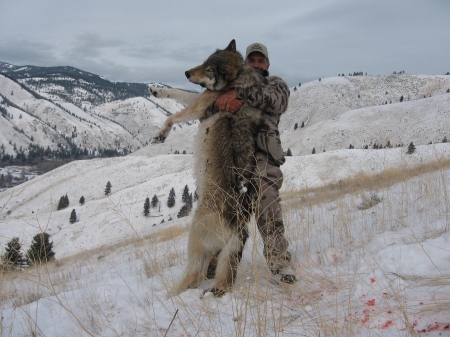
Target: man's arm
{"type": "Point", "coordinates": [272, 98]}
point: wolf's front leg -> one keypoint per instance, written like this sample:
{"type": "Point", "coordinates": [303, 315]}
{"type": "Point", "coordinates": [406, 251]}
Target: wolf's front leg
{"type": "Point", "coordinates": [181, 96]}
{"type": "Point", "coordinates": [164, 131]}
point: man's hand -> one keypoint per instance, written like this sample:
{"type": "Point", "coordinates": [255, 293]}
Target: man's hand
{"type": "Point", "coordinates": [228, 102]}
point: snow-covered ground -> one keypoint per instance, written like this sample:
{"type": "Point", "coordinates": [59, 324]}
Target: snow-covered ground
{"type": "Point", "coordinates": [364, 268]}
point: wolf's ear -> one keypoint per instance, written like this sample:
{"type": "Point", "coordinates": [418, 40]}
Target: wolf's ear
{"type": "Point", "coordinates": [232, 46]}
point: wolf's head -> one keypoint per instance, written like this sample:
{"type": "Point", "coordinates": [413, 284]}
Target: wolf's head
{"type": "Point", "coordinates": [220, 69]}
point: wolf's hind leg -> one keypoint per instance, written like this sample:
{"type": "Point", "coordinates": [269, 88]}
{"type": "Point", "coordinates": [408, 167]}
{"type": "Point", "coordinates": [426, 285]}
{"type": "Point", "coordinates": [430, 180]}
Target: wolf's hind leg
{"type": "Point", "coordinates": [195, 271]}
{"type": "Point", "coordinates": [201, 249]}
{"type": "Point", "coordinates": [228, 263]}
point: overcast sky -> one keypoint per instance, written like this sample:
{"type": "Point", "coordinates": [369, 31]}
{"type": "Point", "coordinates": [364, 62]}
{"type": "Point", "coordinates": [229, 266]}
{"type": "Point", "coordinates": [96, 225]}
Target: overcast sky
{"type": "Point", "coordinates": [157, 41]}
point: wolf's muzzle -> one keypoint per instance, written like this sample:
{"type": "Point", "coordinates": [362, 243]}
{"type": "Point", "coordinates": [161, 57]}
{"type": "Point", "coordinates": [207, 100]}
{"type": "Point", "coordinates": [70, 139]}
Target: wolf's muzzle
{"type": "Point", "coordinates": [187, 74]}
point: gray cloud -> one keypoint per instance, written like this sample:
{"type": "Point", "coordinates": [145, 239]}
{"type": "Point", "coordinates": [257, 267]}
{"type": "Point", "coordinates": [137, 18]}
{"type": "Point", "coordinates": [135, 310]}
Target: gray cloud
{"type": "Point", "coordinates": [157, 41]}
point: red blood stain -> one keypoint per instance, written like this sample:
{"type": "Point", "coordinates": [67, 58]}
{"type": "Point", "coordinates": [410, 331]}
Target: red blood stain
{"type": "Point", "coordinates": [365, 319]}
{"type": "Point", "coordinates": [366, 316]}
{"type": "Point", "coordinates": [387, 324]}
{"type": "Point", "coordinates": [434, 326]}
{"type": "Point", "coordinates": [371, 303]}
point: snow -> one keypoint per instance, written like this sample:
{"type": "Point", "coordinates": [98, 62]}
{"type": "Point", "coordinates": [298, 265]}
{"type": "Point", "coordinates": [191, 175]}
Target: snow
{"type": "Point", "coordinates": [370, 259]}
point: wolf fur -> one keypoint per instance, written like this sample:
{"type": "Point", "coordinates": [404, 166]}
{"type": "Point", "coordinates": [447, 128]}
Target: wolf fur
{"type": "Point", "coordinates": [224, 163]}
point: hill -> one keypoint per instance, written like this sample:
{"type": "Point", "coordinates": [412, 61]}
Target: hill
{"type": "Point", "coordinates": [67, 108]}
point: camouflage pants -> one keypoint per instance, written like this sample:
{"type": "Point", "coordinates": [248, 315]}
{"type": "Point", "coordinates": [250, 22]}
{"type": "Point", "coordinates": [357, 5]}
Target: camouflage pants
{"type": "Point", "coordinates": [268, 179]}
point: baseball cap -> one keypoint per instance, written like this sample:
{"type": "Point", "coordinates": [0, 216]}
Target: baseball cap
{"type": "Point", "coordinates": [257, 47]}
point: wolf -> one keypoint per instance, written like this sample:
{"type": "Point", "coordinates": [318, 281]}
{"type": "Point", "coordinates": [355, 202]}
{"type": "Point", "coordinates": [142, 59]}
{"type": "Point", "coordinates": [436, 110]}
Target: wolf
{"type": "Point", "coordinates": [224, 164]}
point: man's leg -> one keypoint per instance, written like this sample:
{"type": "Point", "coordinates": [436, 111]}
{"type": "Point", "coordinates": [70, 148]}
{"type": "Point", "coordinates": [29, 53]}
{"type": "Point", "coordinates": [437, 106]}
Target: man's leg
{"type": "Point", "coordinates": [268, 180]}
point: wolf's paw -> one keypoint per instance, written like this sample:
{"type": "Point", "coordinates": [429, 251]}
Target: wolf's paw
{"type": "Point", "coordinates": [216, 291]}
{"type": "Point", "coordinates": [158, 139]}
{"type": "Point", "coordinates": [158, 92]}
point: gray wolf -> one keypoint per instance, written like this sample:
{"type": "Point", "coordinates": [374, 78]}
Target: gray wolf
{"type": "Point", "coordinates": [224, 164]}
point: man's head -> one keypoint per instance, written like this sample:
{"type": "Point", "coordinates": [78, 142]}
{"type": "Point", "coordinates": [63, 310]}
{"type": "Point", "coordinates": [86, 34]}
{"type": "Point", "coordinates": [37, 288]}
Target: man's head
{"type": "Point", "coordinates": [257, 56]}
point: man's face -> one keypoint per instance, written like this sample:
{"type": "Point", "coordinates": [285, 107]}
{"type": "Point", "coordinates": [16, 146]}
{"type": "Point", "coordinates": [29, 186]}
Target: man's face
{"type": "Point", "coordinates": [257, 60]}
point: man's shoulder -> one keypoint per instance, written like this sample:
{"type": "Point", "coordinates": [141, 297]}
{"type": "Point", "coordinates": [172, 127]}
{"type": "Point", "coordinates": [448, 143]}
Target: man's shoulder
{"type": "Point", "coordinates": [277, 80]}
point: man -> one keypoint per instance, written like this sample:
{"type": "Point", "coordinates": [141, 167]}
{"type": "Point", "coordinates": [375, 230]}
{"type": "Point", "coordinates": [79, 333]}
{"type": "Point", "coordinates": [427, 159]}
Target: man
{"type": "Point", "coordinates": [272, 99]}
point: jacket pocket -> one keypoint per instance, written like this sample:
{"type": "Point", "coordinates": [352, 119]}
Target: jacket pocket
{"type": "Point", "coordinates": [269, 143]}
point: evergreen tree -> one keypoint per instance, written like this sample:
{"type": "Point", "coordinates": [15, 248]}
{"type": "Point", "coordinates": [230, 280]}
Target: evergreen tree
{"type": "Point", "coordinates": [63, 202]}
{"type": "Point", "coordinates": [313, 150]}
{"type": "Point", "coordinates": [289, 152]}
{"type": "Point", "coordinates": [82, 200]}
{"type": "Point", "coordinates": [411, 148]}
{"type": "Point", "coordinates": [73, 216]}
{"type": "Point", "coordinates": [108, 188]}
{"type": "Point", "coordinates": [185, 195]}
{"type": "Point", "coordinates": [184, 211]}
{"type": "Point", "coordinates": [171, 198]}
{"type": "Point", "coordinates": [147, 206]}
{"type": "Point", "coordinates": [295, 126]}
{"type": "Point", "coordinates": [41, 249]}
{"type": "Point", "coordinates": [13, 255]}
{"type": "Point", "coordinates": [155, 201]}
{"type": "Point", "coordinates": [401, 98]}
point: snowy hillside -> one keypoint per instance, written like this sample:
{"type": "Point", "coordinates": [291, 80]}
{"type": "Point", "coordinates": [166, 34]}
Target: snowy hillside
{"type": "Point", "coordinates": [320, 100]}
{"type": "Point", "coordinates": [368, 228]}
{"type": "Point", "coordinates": [76, 108]}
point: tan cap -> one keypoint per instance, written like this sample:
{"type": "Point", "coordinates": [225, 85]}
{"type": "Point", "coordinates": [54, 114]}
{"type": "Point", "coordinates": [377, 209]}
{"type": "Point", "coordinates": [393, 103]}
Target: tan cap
{"type": "Point", "coordinates": [257, 47]}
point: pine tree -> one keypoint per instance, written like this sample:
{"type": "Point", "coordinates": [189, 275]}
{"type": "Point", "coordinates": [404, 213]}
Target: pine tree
{"type": "Point", "coordinates": [295, 126]}
{"type": "Point", "coordinates": [63, 202]}
{"type": "Point", "coordinates": [147, 206]}
{"type": "Point", "coordinates": [171, 198]}
{"type": "Point", "coordinates": [185, 195]}
{"type": "Point", "coordinates": [313, 150]}
{"type": "Point", "coordinates": [401, 98]}
{"type": "Point", "coordinates": [13, 255]}
{"type": "Point", "coordinates": [155, 201]}
{"type": "Point", "coordinates": [289, 152]}
{"type": "Point", "coordinates": [108, 188]}
{"type": "Point", "coordinates": [73, 216]}
{"type": "Point", "coordinates": [184, 211]}
{"type": "Point", "coordinates": [41, 249]}
{"type": "Point", "coordinates": [411, 148]}
{"type": "Point", "coordinates": [82, 200]}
